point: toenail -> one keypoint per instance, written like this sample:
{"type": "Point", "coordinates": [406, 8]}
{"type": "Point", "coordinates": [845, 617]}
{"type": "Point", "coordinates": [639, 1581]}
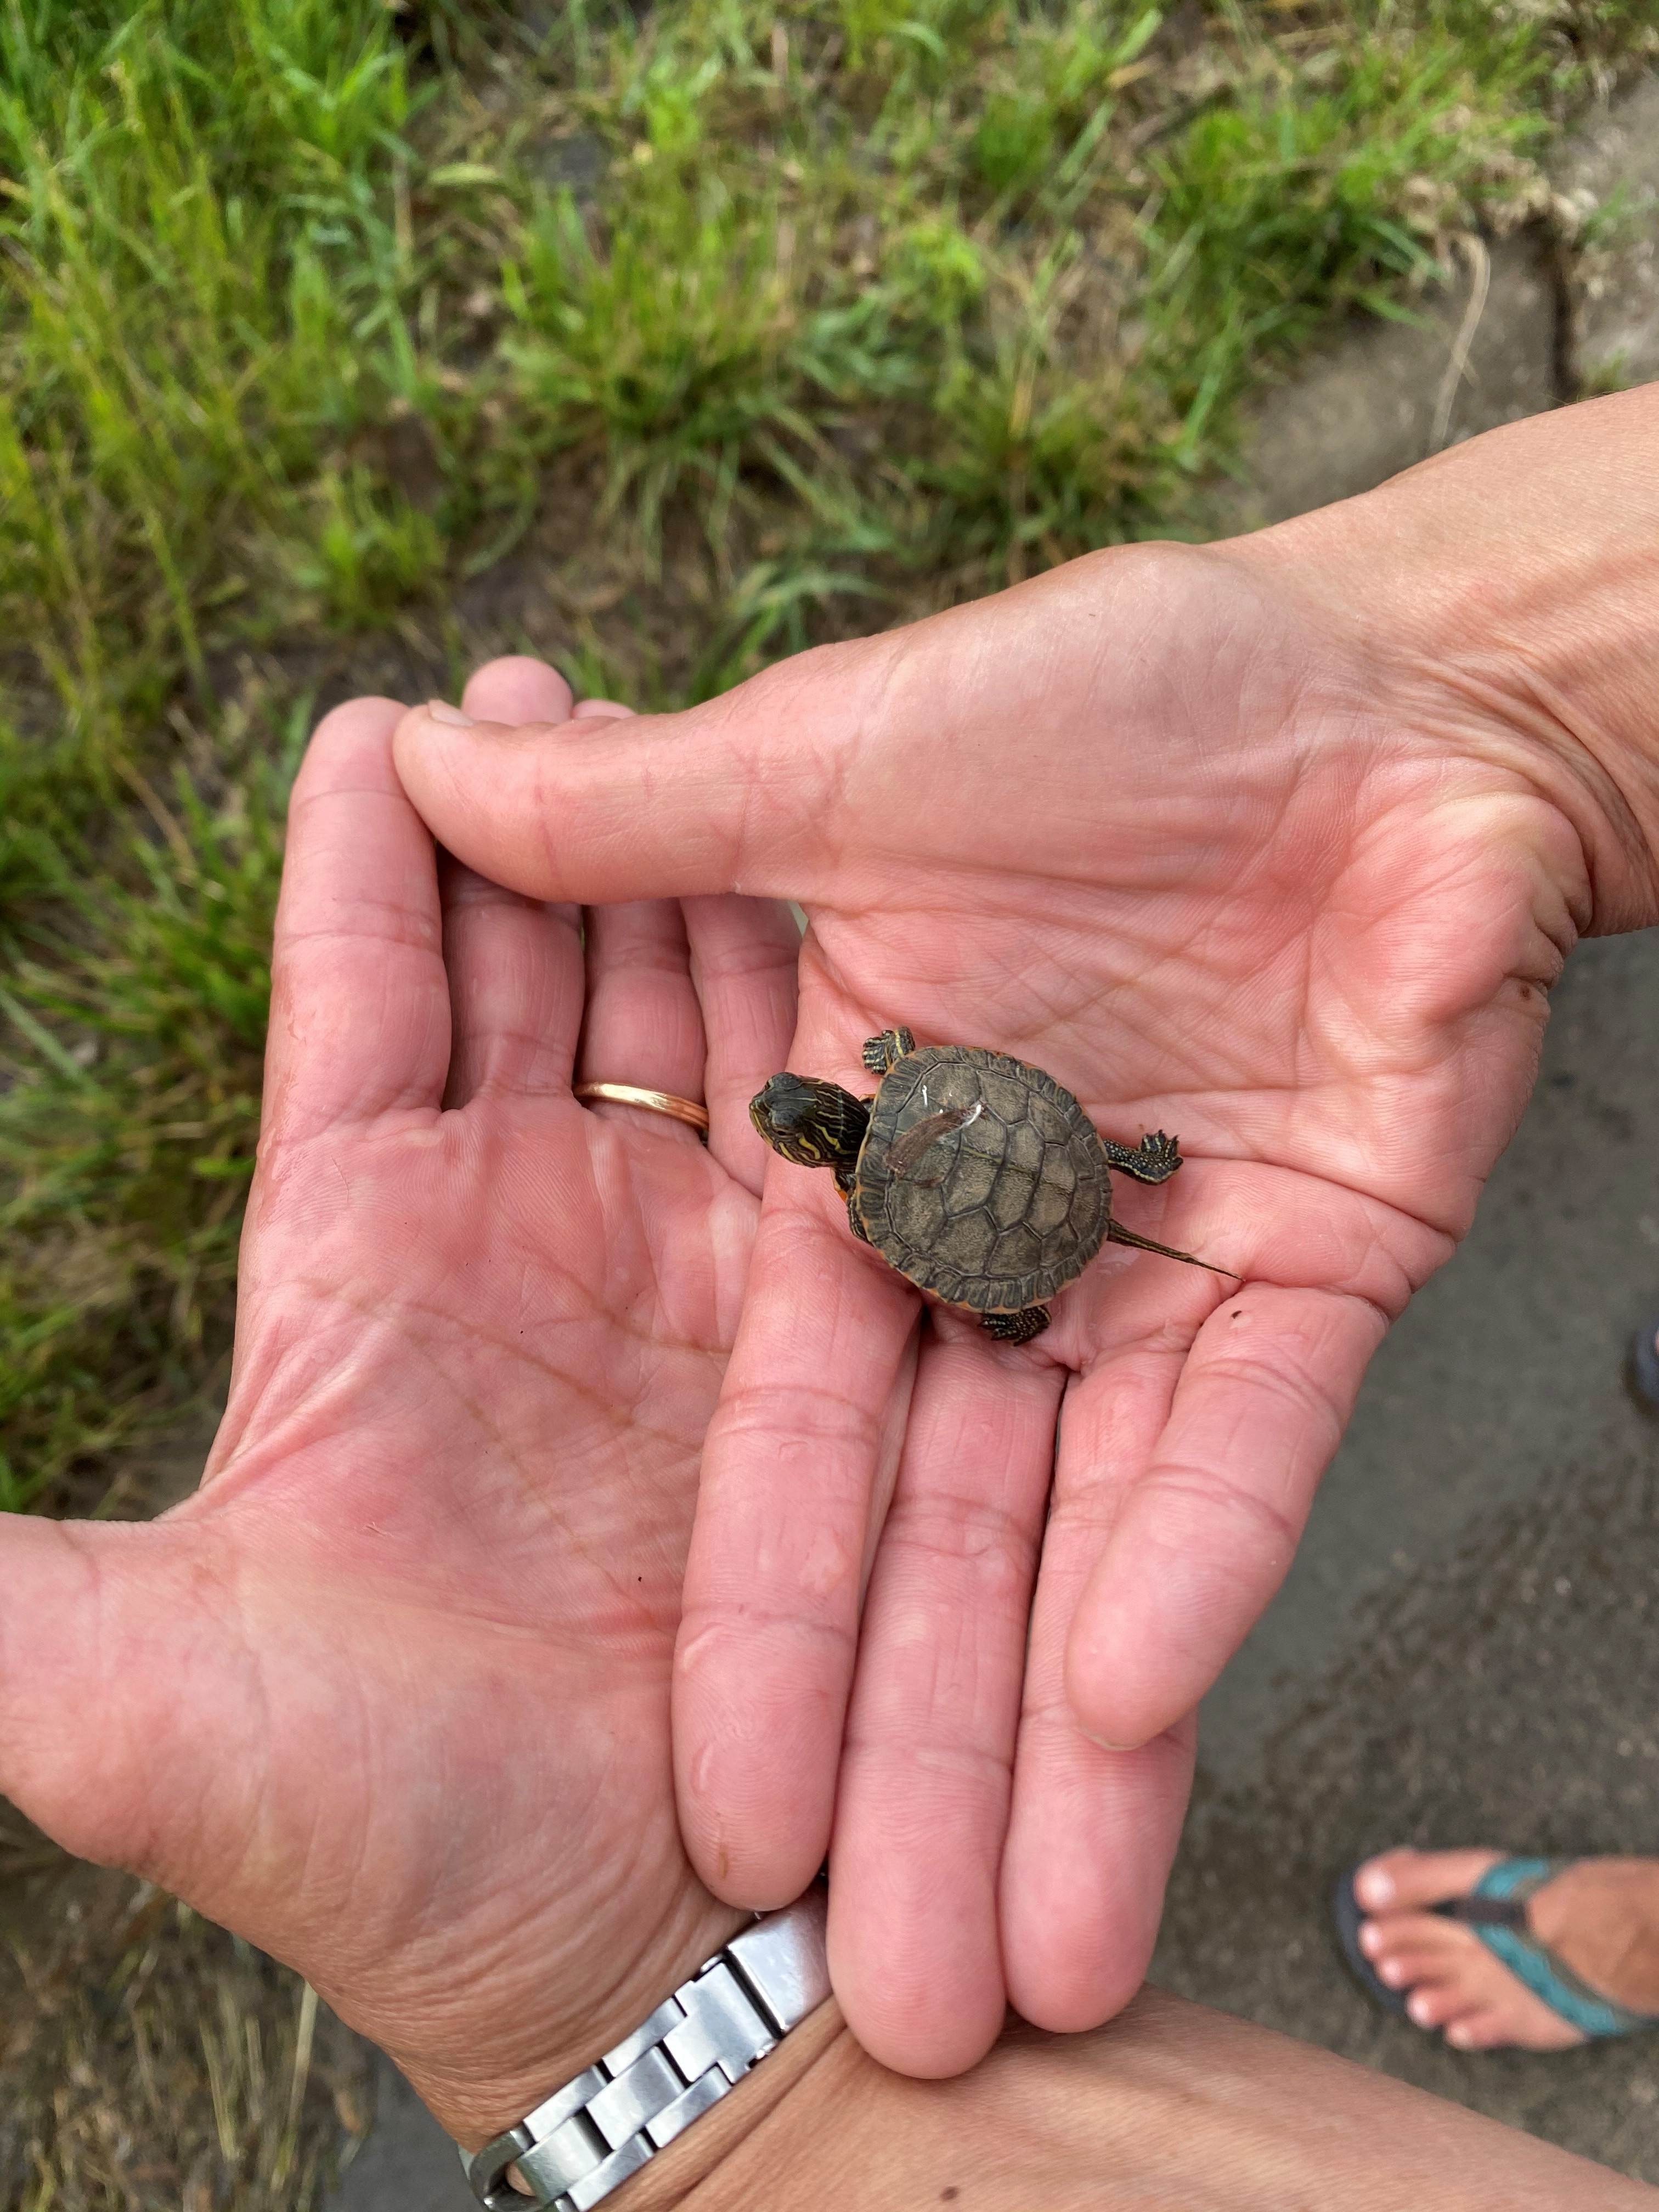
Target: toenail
{"type": "Point", "coordinates": [1370, 1938]}
{"type": "Point", "coordinates": [1421, 2011]}
{"type": "Point", "coordinates": [1458, 2034]}
{"type": "Point", "coordinates": [1374, 1887]}
{"type": "Point", "coordinates": [439, 710]}
{"type": "Point", "coordinates": [1392, 1972]}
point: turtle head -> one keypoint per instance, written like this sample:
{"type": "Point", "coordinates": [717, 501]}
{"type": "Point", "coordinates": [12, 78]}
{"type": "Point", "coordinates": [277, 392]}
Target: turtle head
{"type": "Point", "coordinates": [816, 1125]}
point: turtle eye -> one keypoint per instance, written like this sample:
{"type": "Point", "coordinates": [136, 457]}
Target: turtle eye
{"type": "Point", "coordinates": [783, 1113]}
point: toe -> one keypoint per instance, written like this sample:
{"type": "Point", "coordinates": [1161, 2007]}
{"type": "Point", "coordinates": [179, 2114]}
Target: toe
{"type": "Point", "coordinates": [1407, 1878]}
{"type": "Point", "coordinates": [1402, 1969]}
{"type": "Point", "coordinates": [1429, 1932]}
{"type": "Point", "coordinates": [1436, 2004]}
{"type": "Point", "coordinates": [1485, 2029]}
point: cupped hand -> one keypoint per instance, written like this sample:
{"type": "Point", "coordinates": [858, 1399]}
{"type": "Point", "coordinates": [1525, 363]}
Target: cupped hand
{"type": "Point", "coordinates": [1233, 854]}
{"type": "Point", "coordinates": [389, 1694]}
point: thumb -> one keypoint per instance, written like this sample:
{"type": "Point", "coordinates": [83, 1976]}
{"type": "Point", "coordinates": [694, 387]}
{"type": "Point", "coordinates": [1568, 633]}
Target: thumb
{"type": "Point", "coordinates": [117, 1670]}
{"type": "Point", "coordinates": [748, 792]}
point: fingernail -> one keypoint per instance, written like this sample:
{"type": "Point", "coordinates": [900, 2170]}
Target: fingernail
{"type": "Point", "coordinates": [1106, 1744]}
{"type": "Point", "coordinates": [1374, 1887]}
{"type": "Point", "coordinates": [440, 711]}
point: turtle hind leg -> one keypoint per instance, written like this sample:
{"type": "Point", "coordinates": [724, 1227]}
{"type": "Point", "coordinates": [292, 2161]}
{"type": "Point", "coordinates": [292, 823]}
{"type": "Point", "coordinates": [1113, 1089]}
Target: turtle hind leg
{"type": "Point", "coordinates": [1017, 1327]}
{"type": "Point", "coordinates": [1154, 1159]}
{"type": "Point", "coordinates": [885, 1051]}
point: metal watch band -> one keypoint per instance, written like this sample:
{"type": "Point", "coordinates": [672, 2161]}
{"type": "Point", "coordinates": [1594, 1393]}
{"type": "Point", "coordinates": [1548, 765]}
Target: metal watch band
{"type": "Point", "coordinates": [588, 2137]}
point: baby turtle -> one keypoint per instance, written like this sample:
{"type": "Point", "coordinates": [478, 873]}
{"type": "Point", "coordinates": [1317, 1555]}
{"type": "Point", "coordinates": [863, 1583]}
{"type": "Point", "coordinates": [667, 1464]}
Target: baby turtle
{"type": "Point", "coordinates": [975, 1176]}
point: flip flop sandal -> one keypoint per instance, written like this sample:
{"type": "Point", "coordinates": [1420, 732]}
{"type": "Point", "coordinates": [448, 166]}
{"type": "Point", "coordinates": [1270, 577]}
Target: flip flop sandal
{"type": "Point", "coordinates": [1642, 1369]}
{"type": "Point", "coordinates": [1496, 1909]}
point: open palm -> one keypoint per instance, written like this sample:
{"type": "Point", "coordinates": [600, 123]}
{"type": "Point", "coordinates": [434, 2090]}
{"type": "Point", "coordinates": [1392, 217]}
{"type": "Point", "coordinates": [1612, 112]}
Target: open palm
{"type": "Point", "coordinates": [389, 1695]}
{"type": "Point", "coordinates": [1151, 824]}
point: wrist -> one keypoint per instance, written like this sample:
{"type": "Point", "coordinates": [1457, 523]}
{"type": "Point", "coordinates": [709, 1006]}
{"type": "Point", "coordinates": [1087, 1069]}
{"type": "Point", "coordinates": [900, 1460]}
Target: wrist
{"type": "Point", "coordinates": [1503, 601]}
{"type": "Point", "coordinates": [667, 2075]}
{"type": "Point", "coordinates": [776, 2107]}
{"type": "Point", "coordinates": [527, 2014]}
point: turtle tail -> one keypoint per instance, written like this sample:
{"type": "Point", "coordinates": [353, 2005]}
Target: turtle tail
{"type": "Point", "coordinates": [1117, 1234]}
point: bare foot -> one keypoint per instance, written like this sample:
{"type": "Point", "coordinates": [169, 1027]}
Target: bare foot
{"type": "Point", "coordinates": [1600, 1918]}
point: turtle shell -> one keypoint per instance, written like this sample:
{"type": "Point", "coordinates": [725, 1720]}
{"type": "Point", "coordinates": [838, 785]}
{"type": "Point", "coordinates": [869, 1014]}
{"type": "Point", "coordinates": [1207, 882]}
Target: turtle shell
{"type": "Point", "coordinates": [1004, 1206]}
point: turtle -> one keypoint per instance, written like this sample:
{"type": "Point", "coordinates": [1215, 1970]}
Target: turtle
{"type": "Point", "coordinates": [976, 1175]}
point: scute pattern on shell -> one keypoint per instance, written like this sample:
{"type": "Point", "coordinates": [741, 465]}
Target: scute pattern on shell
{"type": "Point", "coordinates": [1024, 1200]}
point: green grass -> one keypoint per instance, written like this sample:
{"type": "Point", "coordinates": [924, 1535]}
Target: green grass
{"type": "Point", "coordinates": [696, 333]}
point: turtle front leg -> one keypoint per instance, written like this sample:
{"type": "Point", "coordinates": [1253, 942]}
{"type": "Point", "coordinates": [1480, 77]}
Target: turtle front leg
{"type": "Point", "coordinates": [844, 1185]}
{"type": "Point", "coordinates": [885, 1051]}
{"type": "Point", "coordinates": [1017, 1327]}
{"type": "Point", "coordinates": [1154, 1159]}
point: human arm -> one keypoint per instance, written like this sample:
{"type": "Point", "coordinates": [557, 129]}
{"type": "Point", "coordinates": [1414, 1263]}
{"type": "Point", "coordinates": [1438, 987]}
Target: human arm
{"type": "Point", "coordinates": [1170, 2105]}
{"type": "Point", "coordinates": [1279, 844]}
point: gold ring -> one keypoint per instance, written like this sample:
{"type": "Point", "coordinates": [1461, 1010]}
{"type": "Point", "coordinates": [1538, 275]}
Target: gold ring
{"type": "Point", "coordinates": [655, 1102]}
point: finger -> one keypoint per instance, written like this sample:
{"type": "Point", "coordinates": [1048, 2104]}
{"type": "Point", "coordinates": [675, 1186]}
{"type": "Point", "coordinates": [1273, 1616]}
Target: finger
{"type": "Point", "coordinates": [1091, 1837]}
{"type": "Point", "coordinates": [745, 957]}
{"type": "Point", "coordinates": [812, 776]}
{"type": "Point", "coordinates": [797, 1468]}
{"type": "Point", "coordinates": [927, 1766]}
{"type": "Point", "coordinates": [1091, 1832]}
{"type": "Point", "coordinates": [737, 793]}
{"type": "Point", "coordinates": [515, 966]}
{"type": "Point", "coordinates": [643, 1023]}
{"type": "Point", "coordinates": [517, 688]}
{"type": "Point", "coordinates": [360, 1000]}
{"type": "Point", "coordinates": [1203, 1538]}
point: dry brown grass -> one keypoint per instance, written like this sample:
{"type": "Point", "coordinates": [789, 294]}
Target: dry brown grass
{"type": "Point", "coordinates": [149, 2061]}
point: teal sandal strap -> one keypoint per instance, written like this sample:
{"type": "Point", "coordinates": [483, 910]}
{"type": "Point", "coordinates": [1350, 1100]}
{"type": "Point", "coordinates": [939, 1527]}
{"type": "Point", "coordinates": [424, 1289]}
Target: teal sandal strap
{"type": "Point", "coordinates": [1534, 1964]}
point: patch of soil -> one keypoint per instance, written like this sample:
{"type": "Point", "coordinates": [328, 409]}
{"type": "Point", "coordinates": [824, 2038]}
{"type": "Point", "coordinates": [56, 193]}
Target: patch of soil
{"type": "Point", "coordinates": [149, 2061]}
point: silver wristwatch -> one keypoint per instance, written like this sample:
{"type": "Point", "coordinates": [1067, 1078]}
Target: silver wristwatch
{"type": "Point", "coordinates": [586, 2139]}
